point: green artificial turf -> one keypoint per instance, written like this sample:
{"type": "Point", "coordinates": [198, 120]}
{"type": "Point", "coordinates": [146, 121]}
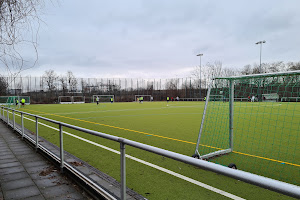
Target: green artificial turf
{"type": "Point", "coordinates": [175, 127]}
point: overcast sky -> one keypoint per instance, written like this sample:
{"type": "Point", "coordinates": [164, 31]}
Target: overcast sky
{"type": "Point", "coordinates": [160, 38]}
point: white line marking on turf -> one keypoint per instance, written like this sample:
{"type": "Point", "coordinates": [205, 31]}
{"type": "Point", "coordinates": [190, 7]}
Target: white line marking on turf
{"type": "Point", "coordinates": [103, 111]}
{"type": "Point", "coordinates": [208, 187]}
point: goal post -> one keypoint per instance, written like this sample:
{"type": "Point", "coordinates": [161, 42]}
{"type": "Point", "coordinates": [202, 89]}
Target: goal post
{"type": "Point", "coordinates": [78, 99]}
{"type": "Point", "coordinates": [71, 99]}
{"type": "Point", "coordinates": [103, 98]}
{"type": "Point", "coordinates": [65, 100]}
{"type": "Point", "coordinates": [11, 101]}
{"type": "Point", "coordinates": [270, 97]}
{"type": "Point", "coordinates": [260, 137]}
{"type": "Point", "coordinates": [145, 97]}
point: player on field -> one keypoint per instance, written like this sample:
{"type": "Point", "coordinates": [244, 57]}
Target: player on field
{"type": "Point", "coordinates": [168, 98]}
{"type": "Point", "coordinates": [97, 100]}
{"type": "Point", "coordinates": [23, 102]}
{"type": "Point", "coordinates": [111, 100]}
{"type": "Point", "coordinates": [141, 99]}
{"type": "Point", "coordinates": [17, 102]}
{"type": "Point", "coordinates": [253, 98]}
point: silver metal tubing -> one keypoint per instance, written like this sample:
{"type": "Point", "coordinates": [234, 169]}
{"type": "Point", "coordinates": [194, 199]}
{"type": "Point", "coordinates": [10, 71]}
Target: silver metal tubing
{"type": "Point", "coordinates": [7, 117]}
{"type": "Point", "coordinates": [22, 124]}
{"type": "Point", "coordinates": [123, 170]}
{"type": "Point", "coordinates": [203, 118]}
{"type": "Point", "coordinates": [262, 75]}
{"type": "Point", "coordinates": [61, 147]}
{"type": "Point", "coordinates": [14, 120]}
{"type": "Point", "coordinates": [36, 133]}
{"type": "Point", "coordinates": [268, 183]}
{"type": "Point", "coordinates": [231, 101]}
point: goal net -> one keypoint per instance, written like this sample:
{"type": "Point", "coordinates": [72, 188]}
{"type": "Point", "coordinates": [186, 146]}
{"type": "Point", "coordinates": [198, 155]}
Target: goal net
{"type": "Point", "coordinates": [103, 98]}
{"type": "Point", "coordinates": [11, 101]}
{"type": "Point", "coordinates": [71, 99]}
{"type": "Point", "coordinates": [261, 137]}
{"type": "Point", "coordinates": [270, 97]}
{"type": "Point", "coordinates": [65, 100]}
{"type": "Point", "coordinates": [78, 99]}
{"type": "Point", "coordinates": [145, 97]}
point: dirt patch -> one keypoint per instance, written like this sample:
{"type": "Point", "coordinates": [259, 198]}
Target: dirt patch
{"type": "Point", "coordinates": [47, 171]}
{"type": "Point", "coordinates": [76, 163]}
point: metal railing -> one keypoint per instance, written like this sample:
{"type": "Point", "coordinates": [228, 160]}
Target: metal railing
{"type": "Point", "coordinates": [268, 183]}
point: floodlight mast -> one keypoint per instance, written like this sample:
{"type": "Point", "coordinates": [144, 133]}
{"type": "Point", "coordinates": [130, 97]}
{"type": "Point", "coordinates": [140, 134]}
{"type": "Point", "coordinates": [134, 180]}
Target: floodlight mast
{"type": "Point", "coordinates": [201, 54]}
{"type": "Point", "coordinates": [260, 42]}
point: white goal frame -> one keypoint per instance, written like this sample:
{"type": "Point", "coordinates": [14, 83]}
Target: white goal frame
{"type": "Point", "coordinates": [231, 103]}
{"type": "Point", "coordinates": [77, 102]}
{"type": "Point", "coordinates": [270, 97]}
{"type": "Point", "coordinates": [72, 100]}
{"type": "Point", "coordinates": [137, 96]}
{"type": "Point", "coordinates": [109, 96]}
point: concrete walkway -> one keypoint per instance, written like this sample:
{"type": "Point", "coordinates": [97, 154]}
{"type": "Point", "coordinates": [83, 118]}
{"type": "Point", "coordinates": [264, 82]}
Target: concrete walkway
{"type": "Point", "coordinates": [24, 174]}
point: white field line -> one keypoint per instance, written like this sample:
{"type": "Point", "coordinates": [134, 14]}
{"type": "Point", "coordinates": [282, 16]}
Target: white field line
{"type": "Point", "coordinates": [99, 111]}
{"type": "Point", "coordinates": [208, 187]}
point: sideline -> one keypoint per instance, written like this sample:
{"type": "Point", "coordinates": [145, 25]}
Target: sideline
{"type": "Point", "coordinates": [178, 140]}
{"type": "Point", "coordinates": [203, 185]}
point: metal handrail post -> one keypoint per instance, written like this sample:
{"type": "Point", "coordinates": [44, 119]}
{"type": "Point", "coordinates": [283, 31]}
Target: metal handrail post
{"type": "Point", "coordinates": [7, 118]}
{"type": "Point", "coordinates": [231, 102]}
{"type": "Point", "coordinates": [14, 120]}
{"type": "Point", "coordinates": [123, 170]}
{"type": "Point", "coordinates": [61, 148]}
{"type": "Point", "coordinates": [22, 123]}
{"type": "Point", "coordinates": [37, 133]}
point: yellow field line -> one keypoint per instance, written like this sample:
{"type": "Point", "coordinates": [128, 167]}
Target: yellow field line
{"type": "Point", "coordinates": [125, 129]}
{"type": "Point", "coordinates": [270, 159]}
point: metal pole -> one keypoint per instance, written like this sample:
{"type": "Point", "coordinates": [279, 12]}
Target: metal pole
{"type": "Point", "coordinates": [14, 121]}
{"type": "Point", "coordinates": [22, 123]}
{"type": "Point", "coordinates": [200, 79]}
{"type": "Point", "coordinates": [123, 171]}
{"type": "Point", "coordinates": [202, 122]}
{"type": "Point", "coordinates": [231, 101]}
{"type": "Point", "coordinates": [7, 118]}
{"type": "Point", "coordinates": [61, 148]}
{"type": "Point", "coordinates": [260, 58]}
{"type": "Point", "coordinates": [37, 133]}
{"type": "Point", "coordinates": [201, 54]}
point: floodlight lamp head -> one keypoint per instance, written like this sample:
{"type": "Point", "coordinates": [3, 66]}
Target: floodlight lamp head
{"type": "Point", "coordinates": [201, 54]}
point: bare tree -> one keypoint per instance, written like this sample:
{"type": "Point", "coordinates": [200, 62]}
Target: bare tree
{"type": "Point", "coordinates": [3, 86]}
{"type": "Point", "coordinates": [247, 69]}
{"type": "Point", "coordinates": [291, 66]}
{"type": "Point", "coordinates": [50, 77]}
{"type": "Point", "coordinates": [63, 82]}
{"type": "Point", "coordinates": [72, 81]}
{"type": "Point", "coordinates": [19, 24]}
{"type": "Point", "coordinates": [171, 84]}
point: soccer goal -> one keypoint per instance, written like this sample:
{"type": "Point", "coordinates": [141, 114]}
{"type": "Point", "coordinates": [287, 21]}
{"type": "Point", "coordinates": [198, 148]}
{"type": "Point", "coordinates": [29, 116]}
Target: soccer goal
{"type": "Point", "coordinates": [270, 97]}
{"type": "Point", "coordinates": [71, 99]}
{"type": "Point", "coordinates": [78, 99]}
{"type": "Point", "coordinates": [145, 97]}
{"type": "Point", "coordinates": [11, 101]}
{"type": "Point", "coordinates": [65, 100]}
{"type": "Point", "coordinates": [261, 137]}
{"type": "Point", "coordinates": [104, 98]}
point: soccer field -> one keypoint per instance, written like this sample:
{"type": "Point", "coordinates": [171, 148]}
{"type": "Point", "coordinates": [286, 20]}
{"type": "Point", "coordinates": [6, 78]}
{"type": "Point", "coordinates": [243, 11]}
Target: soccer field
{"type": "Point", "coordinates": [175, 127]}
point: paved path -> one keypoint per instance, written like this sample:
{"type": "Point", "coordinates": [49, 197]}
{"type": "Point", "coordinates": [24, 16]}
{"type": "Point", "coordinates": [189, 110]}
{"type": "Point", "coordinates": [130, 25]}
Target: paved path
{"type": "Point", "coordinates": [24, 174]}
